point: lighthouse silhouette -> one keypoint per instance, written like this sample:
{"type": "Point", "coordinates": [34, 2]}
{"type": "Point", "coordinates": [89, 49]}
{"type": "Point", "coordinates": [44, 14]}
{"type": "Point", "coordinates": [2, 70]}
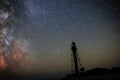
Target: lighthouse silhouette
{"type": "Point", "coordinates": [75, 58]}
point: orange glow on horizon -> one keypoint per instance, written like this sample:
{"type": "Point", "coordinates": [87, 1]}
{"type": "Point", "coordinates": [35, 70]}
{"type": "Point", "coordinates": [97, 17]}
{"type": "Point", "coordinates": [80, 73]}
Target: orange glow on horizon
{"type": "Point", "coordinates": [3, 64]}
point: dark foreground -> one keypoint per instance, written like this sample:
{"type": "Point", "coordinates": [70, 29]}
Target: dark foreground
{"type": "Point", "coordinates": [97, 77]}
{"type": "Point", "coordinates": [93, 74]}
{"type": "Point", "coordinates": [97, 74]}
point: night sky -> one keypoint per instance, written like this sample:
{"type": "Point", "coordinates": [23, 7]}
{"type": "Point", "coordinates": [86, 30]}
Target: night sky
{"type": "Point", "coordinates": [48, 27]}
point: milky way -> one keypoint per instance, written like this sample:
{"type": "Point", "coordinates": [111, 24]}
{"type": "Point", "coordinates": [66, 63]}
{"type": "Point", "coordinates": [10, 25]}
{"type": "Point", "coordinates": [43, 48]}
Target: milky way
{"type": "Point", "coordinates": [12, 52]}
{"type": "Point", "coordinates": [49, 27]}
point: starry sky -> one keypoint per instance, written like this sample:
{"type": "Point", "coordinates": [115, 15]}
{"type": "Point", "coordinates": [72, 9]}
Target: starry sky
{"type": "Point", "coordinates": [49, 26]}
